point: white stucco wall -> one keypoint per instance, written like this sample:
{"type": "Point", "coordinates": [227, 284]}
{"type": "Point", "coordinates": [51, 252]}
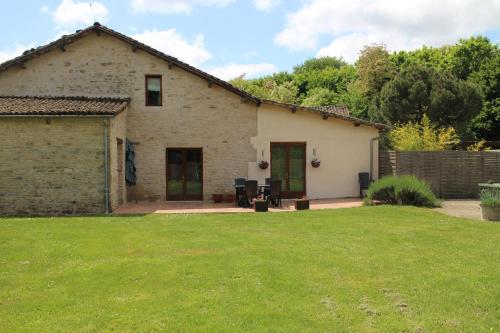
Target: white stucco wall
{"type": "Point", "coordinates": [344, 150]}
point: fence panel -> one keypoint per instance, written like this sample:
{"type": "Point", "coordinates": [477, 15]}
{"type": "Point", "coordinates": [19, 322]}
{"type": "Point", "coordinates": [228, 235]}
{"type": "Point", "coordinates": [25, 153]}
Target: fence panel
{"type": "Point", "coordinates": [451, 174]}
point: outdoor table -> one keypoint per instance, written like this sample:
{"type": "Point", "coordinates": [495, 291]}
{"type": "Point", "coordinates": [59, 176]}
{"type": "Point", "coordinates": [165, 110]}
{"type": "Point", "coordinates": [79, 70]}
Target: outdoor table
{"type": "Point", "coordinates": [263, 187]}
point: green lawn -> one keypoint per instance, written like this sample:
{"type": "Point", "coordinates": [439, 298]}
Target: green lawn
{"type": "Point", "coordinates": [372, 269]}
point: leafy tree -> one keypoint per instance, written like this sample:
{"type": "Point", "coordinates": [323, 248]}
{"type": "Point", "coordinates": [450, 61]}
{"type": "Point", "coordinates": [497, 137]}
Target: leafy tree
{"type": "Point", "coordinates": [486, 125]}
{"type": "Point", "coordinates": [375, 69]}
{"type": "Point", "coordinates": [253, 87]}
{"type": "Point", "coordinates": [419, 90]}
{"type": "Point", "coordinates": [470, 54]}
{"type": "Point", "coordinates": [487, 78]}
{"type": "Point", "coordinates": [320, 97]}
{"type": "Point", "coordinates": [285, 93]}
{"type": "Point", "coordinates": [440, 58]}
{"type": "Point", "coordinates": [319, 64]}
{"type": "Point", "coordinates": [422, 136]}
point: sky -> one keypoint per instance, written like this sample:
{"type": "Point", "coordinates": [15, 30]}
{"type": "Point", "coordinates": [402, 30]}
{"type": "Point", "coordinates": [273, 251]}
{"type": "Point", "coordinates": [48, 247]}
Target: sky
{"type": "Point", "coordinates": [229, 38]}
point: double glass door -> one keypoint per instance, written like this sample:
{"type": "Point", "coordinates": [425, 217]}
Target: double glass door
{"type": "Point", "coordinates": [288, 163]}
{"type": "Point", "coordinates": [184, 174]}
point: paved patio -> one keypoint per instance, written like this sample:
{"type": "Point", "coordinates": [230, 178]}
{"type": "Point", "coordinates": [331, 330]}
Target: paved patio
{"type": "Point", "coordinates": [172, 207]}
{"type": "Point", "coordinates": [461, 208]}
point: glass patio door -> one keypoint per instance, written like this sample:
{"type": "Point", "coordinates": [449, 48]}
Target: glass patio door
{"type": "Point", "coordinates": [288, 163]}
{"type": "Point", "coordinates": [184, 174]}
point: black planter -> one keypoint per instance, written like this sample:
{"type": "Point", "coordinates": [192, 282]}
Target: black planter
{"type": "Point", "coordinates": [260, 205]}
{"type": "Point", "coordinates": [301, 204]}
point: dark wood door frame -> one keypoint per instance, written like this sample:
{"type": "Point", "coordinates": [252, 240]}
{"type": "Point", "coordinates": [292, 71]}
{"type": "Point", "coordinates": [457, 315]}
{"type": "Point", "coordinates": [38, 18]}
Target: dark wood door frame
{"type": "Point", "coordinates": [184, 196]}
{"type": "Point", "coordinates": [287, 194]}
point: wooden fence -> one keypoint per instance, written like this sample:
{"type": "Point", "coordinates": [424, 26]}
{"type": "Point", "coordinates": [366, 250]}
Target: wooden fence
{"type": "Point", "coordinates": [451, 174]}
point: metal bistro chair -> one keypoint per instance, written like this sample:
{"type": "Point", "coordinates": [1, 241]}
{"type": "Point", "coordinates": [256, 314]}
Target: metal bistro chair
{"type": "Point", "coordinates": [239, 185]}
{"type": "Point", "coordinates": [267, 188]}
{"type": "Point", "coordinates": [364, 182]}
{"type": "Point", "coordinates": [275, 193]}
{"type": "Point", "coordinates": [251, 192]}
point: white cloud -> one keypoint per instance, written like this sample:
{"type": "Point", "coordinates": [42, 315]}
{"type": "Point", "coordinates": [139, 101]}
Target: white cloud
{"type": "Point", "coordinates": [265, 4]}
{"type": "Point", "coordinates": [174, 6]}
{"type": "Point", "coordinates": [173, 43]}
{"type": "Point", "coordinates": [10, 53]}
{"type": "Point", "coordinates": [399, 24]}
{"type": "Point", "coordinates": [231, 71]}
{"type": "Point", "coordinates": [70, 13]}
{"type": "Point", "coordinates": [251, 54]}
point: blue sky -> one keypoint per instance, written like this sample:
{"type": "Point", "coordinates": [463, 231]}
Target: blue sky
{"type": "Point", "coordinates": [256, 37]}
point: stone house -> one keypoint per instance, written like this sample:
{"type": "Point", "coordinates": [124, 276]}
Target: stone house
{"type": "Point", "coordinates": [67, 109]}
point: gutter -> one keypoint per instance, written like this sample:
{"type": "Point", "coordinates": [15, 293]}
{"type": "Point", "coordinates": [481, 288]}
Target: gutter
{"type": "Point", "coordinates": [106, 165]}
{"type": "Point", "coordinates": [372, 140]}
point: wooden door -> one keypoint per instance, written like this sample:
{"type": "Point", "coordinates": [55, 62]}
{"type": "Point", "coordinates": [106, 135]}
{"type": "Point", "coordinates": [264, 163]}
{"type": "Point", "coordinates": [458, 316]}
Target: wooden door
{"type": "Point", "coordinates": [184, 174]}
{"type": "Point", "coordinates": [288, 163]}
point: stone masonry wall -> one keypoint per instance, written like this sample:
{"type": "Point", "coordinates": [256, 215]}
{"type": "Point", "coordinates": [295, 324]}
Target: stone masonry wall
{"type": "Point", "coordinates": [51, 167]}
{"type": "Point", "coordinates": [193, 114]}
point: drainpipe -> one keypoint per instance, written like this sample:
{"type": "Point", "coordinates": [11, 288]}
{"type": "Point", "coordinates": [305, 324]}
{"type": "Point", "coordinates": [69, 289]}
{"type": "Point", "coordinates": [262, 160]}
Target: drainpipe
{"type": "Point", "coordinates": [371, 156]}
{"type": "Point", "coordinates": [106, 167]}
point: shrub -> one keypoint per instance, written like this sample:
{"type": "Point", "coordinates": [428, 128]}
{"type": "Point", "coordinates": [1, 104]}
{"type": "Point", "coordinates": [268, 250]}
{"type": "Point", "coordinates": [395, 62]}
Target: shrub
{"type": "Point", "coordinates": [490, 197]}
{"type": "Point", "coordinates": [422, 136]}
{"type": "Point", "coordinates": [401, 190]}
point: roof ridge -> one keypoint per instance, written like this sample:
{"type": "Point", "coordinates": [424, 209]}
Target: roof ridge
{"type": "Point", "coordinates": [63, 40]}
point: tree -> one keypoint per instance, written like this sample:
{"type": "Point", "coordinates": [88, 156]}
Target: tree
{"type": "Point", "coordinates": [440, 57]}
{"type": "Point", "coordinates": [285, 93]}
{"type": "Point", "coordinates": [470, 54]}
{"type": "Point", "coordinates": [319, 64]}
{"type": "Point", "coordinates": [320, 97]}
{"type": "Point", "coordinates": [419, 90]}
{"type": "Point", "coordinates": [486, 125]}
{"type": "Point", "coordinates": [253, 87]}
{"type": "Point", "coordinates": [374, 69]}
{"type": "Point", "coordinates": [422, 136]}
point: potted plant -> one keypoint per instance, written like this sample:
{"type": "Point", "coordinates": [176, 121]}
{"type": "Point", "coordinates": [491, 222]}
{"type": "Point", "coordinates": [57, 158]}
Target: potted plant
{"type": "Point", "coordinates": [217, 198]}
{"type": "Point", "coordinates": [260, 204]}
{"type": "Point", "coordinates": [490, 202]}
{"type": "Point", "coordinates": [263, 165]}
{"type": "Point", "coordinates": [315, 163]}
{"type": "Point", "coordinates": [228, 198]}
{"type": "Point", "coordinates": [302, 204]}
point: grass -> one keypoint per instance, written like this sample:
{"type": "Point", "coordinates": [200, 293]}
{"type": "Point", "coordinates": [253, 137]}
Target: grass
{"type": "Point", "coordinates": [370, 269]}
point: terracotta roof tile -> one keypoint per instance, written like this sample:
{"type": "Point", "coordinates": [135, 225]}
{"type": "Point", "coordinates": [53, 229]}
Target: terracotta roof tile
{"type": "Point", "coordinates": [62, 105]}
{"type": "Point", "coordinates": [340, 110]}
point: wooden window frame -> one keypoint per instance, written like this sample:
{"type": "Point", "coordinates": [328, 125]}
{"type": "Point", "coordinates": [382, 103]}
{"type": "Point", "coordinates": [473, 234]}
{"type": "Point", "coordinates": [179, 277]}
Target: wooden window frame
{"type": "Point", "coordinates": [156, 76]}
{"type": "Point", "coordinates": [287, 194]}
{"type": "Point", "coordinates": [184, 196]}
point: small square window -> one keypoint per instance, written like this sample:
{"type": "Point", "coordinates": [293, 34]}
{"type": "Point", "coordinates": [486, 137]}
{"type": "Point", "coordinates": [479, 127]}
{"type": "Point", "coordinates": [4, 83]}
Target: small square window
{"type": "Point", "coordinates": [153, 90]}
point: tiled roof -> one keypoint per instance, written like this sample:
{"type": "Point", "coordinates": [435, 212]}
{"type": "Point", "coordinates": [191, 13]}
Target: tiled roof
{"type": "Point", "coordinates": [62, 105]}
{"type": "Point", "coordinates": [340, 110]}
{"type": "Point", "coordinates": [329, 112]}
